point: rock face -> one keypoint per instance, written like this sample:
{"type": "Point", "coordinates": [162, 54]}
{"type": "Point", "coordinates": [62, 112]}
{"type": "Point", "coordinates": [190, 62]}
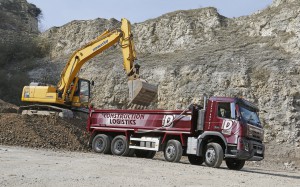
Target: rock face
{"type": "Point", "coordinates": [179, 30]}
{"type": "Point", "coordinates": [18, 16]}
{"type": "Point", "coordinates": [18, 19]}
{"type": "Point", "coordinates": [18, 43]}
{"type": "Point", "coordinates": [66, 39]}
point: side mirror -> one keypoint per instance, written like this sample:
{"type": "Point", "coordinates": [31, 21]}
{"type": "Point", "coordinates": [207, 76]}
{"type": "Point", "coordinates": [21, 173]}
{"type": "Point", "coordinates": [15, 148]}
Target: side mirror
{"type": "Point", "coordinates": [92, 83]}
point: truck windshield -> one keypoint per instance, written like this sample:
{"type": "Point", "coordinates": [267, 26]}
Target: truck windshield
{"type": "Point", "coordinates": [249, 115]}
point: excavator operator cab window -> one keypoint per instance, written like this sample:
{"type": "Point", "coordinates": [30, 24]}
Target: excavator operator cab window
{"type": "Point", "coordinates": [84, 90]}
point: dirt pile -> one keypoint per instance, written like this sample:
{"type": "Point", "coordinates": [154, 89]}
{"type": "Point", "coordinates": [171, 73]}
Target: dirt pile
{"type": "Point", "coordinates": [49, 132]}
{"type": "Point", "coordinates": [7, 107]}
{"type": "Point", "coordinates": [43, 132]}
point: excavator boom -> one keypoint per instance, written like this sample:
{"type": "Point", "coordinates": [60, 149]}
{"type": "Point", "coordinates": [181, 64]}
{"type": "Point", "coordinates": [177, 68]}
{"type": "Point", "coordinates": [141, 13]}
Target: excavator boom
{"type": "Point", "coordinates": [140, 92]}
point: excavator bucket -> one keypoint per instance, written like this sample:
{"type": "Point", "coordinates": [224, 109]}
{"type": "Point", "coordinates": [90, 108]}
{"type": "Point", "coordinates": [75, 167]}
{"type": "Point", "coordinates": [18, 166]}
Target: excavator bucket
{"type": "Point", "coordinates": [141, 93]}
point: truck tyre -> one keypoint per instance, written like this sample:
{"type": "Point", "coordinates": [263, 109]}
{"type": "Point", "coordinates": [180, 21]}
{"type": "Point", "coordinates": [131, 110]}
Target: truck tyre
{"type": "Point", "coordinates": [144, 154]}
{"type": "Point", "coordinates": [214, 155]}
{"type": "Point", "coordinates": [173, 151]}
{"type": "Point", "coordinates": [195, 160]}
{"type": "Point", "coordinates": [101, 143]}
{"type": "Point", "coordinates": [120, 146]}
{"type": "Point", "coordinates": [235, 164]}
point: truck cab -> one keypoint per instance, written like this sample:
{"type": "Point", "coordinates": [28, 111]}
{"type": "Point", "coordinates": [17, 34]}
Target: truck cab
{"type": "Point", "coordinates": [235, 124]}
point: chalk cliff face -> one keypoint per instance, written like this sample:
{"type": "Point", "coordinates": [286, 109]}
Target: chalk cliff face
{"type": "Point", "coordinates": [18, 42]}
{"type": "Point", "coordinates": [17, 19]}
{"type": "Point", "coordinates": [18, 16]}
{"type": "Point", "coordinates": [179, 30]}
{"type": "Point", "coordinates": [188, 53]}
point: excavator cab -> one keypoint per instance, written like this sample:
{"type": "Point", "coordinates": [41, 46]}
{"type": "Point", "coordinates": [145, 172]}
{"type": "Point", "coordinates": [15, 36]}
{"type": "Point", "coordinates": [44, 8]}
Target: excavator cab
{"type": "Point", "coordinates": [81, 97]}
{"type": "Point", "coordinates": [141, 93]}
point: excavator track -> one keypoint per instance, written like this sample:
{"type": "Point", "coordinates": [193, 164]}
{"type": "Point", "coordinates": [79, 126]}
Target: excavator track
{"type": "Point", "coordinates": [46, 110]}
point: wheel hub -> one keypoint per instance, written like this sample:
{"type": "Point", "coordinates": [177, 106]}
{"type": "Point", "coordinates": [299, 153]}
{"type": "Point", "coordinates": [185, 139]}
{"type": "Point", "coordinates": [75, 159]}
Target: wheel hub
{"type": "Point", "coordinates": [170, 151]}
{"type": "Point", "coordinates": [210, 155]}
{"type": "Point", "coordinates": [119, 146]}
{"type": "Point", "coordinates": [99, 144]}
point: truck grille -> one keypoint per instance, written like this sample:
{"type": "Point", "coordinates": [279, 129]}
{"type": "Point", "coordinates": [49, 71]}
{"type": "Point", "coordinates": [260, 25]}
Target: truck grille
{"type": "Point", "coordinates": [255, 132]}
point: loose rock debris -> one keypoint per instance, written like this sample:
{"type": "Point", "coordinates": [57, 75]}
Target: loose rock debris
{"type": "Point", "coordinates": [49, 132]}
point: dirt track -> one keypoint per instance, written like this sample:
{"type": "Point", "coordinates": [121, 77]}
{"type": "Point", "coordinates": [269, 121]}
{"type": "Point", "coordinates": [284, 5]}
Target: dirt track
{"type": "Point", "coordinates": [29, 167]}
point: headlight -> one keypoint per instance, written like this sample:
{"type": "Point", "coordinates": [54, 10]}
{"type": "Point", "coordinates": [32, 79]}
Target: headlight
{"type": "Point", "coordinates": [26, 95]}
{"type": "Point", "coordinates": [244, 144]}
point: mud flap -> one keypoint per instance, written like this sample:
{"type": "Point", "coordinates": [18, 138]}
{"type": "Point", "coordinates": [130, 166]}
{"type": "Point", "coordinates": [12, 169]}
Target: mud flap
{"type": "Point", "coordinates": [141, 92]}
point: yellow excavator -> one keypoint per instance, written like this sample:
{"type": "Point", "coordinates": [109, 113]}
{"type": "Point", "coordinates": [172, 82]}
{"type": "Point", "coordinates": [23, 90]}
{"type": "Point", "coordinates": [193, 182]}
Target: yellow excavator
{"type": "Point", "coordinates": [73, 93]}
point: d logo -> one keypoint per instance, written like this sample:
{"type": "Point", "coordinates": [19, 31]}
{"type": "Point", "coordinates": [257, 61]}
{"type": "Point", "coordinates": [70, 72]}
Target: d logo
{"type": "Point", "coordinates": [227, 125]}
{"type": "Point", "coordinates": [168, 120]}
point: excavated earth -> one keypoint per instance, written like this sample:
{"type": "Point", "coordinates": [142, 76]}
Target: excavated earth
{"type": "Point", "coordinates": [50, 132]}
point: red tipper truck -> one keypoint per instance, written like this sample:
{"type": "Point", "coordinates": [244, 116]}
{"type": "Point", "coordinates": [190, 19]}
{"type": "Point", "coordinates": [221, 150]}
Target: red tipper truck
{"type": "Point", "coordinates": [222, 129]}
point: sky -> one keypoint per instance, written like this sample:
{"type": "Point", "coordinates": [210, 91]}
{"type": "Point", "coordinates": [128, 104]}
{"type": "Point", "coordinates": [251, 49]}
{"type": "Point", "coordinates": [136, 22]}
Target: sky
{"type": "Point", "coordinates": [60, 12]}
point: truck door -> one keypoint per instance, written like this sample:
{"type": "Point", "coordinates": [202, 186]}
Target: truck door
{"type": "Point", "coordinates": [224, 119]}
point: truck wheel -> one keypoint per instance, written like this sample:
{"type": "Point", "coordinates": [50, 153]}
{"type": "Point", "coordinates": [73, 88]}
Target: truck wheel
{"type": "Point", "coordinates": [235, 164]}
{"type": "Point", "coordinates": [144, 154]}
{"type": "Point", "coordinates": [101, 143]}
{"type": "Point", "coordinates": [195, 160]}
{"type": "Point", "coordinates": [214, 155]}
{"type": "Point", "coordinates": [173, 151]}
{"type": "Point", "coordinates": [120, 146]}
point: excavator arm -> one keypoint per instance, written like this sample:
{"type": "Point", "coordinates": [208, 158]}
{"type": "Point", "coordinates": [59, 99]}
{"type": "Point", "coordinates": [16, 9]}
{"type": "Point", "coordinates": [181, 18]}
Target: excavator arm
{"type": "Point", "coordinates": [103, 42]}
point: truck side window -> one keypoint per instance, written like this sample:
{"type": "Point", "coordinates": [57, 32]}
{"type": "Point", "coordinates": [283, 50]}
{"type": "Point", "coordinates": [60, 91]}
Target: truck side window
{"type": "Point", "coordinates": [224, 110]}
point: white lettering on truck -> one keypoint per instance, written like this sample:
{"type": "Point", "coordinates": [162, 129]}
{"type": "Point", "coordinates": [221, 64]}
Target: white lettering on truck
{"type": "Point", "coordinates": [123, 119]}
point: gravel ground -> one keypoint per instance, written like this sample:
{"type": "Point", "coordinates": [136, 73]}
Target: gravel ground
{"type": "Point", "coordinates": [30, 167]}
